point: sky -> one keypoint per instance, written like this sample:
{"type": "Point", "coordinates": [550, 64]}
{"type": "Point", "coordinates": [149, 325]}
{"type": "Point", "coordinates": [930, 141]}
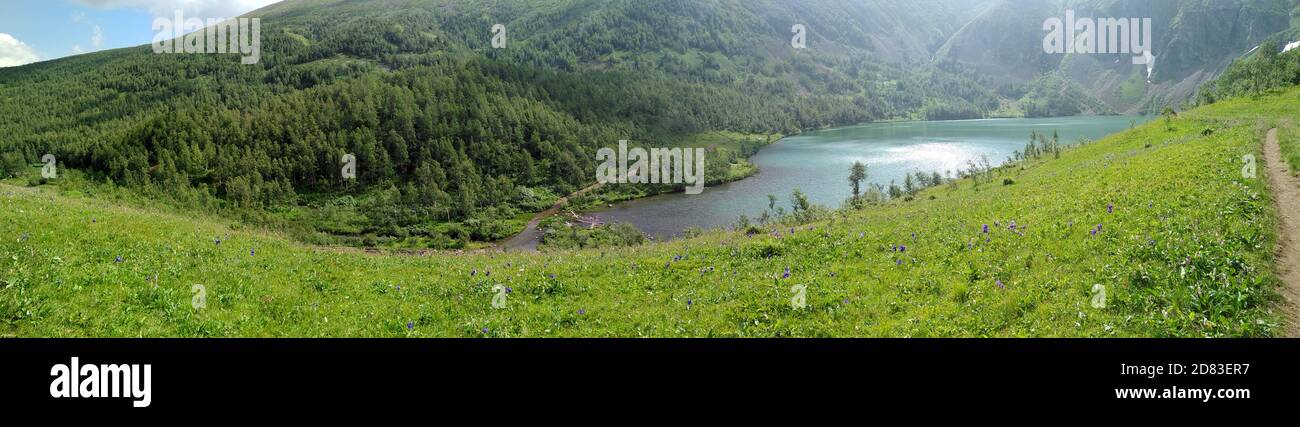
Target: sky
{"type": "Point", "coordinates": [41, 30]}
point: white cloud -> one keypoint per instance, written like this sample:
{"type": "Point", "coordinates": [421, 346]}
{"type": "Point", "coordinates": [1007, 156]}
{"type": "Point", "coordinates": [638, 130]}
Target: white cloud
{"type": "Point", "coordinates": [195, 8]}
{"type": "Point", "coordinates": [98, 38]}
{"type": "Point", "coordinates": [14, 52]}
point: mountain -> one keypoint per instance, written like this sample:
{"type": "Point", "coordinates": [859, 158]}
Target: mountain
{"type": "Point", "coordinates": [455, 140]}
{"type": "Point", "coordinates": [1194, 42]}
{"type": "Point", "coordinates": [452, 137]}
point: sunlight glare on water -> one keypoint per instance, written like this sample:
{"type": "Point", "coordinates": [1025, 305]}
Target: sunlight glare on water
{"type": "Point", "coordinates": [818, 164]}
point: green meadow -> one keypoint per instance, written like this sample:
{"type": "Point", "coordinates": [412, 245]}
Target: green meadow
{"type": "Point", "coordinates": [1152, 232]}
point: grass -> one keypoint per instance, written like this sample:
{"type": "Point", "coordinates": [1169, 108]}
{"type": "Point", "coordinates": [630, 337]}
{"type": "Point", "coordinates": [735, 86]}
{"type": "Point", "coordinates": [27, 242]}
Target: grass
{"type": "Point", "coordinates": [1289, 141]}
{"type": "Point", "coordinates": [1184, 250]}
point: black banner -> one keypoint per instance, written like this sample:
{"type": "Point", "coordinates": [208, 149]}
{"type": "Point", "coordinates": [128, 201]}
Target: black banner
{"type": "Point", "coordinates": [277, 375]}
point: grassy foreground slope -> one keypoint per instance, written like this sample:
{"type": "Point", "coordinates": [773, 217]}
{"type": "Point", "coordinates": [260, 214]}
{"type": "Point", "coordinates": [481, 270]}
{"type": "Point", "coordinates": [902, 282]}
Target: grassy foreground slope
{"type": "Point", "coordinates": [1183, 250]}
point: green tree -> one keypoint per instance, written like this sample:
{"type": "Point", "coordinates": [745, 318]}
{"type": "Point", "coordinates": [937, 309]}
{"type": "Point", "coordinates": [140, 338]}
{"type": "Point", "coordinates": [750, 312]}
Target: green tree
{"type": "Point", "coordinates": [857, 173]}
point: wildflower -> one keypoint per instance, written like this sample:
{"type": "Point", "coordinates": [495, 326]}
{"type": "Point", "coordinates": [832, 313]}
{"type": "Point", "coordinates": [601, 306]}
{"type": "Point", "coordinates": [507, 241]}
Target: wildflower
{"type": "Point", "coordinates": [487, 273]}
{"type": "Point", "coordinates": [552, 275]}
{"type": "Point", "coordinates": [1012, 226]}
{"type": "Point", "coordinates": [902, 248]}
{"type": "Point", "coordinates": [913, 236]}
{"type": "Point", "coordinates": [986, 229]}
{"type": "Point", "coordinates": [582, 312]}
{"type": "Point", "coordinates": [1110, 208]}
{"type": "Point", "coordinates": [252, 252]}
{"type": "Point", "coordinates": [999, 282]}
{"type": "Point", "coordinates": [118, 259]}
{"type": "Point", "coordinates": [787, 273]}
{"type": "Point", "coordinates": [410, 325]}
{"type": "Point", "coordinates": [23, 238]}
{"type": "Point", "coordinates": [218, 241]}
{"type": "Point", "coordinates": [473, 272]}
{"type": "Point", "coordinates": [688, 303]}
{"type": "Point", "coordinates": [508, 290]}
{"type": "Point", "coordinates": [485, 330]}
{"type": "Point", "coordinates": [899, 262]}
{"type": "Point", "coordinates": [860, 235]}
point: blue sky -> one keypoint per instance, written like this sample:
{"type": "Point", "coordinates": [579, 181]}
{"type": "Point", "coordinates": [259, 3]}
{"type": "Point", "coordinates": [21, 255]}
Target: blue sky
{"type": "Point", "coordinates": [40, 30]}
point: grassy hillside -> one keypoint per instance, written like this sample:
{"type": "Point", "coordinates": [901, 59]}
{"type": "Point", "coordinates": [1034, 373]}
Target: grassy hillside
{"type": "Point", "coordinates": [1162, 218]}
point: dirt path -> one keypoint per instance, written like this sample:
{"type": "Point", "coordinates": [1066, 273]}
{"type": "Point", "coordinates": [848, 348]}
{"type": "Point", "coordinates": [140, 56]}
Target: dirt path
{"type": "Point", "coordinates": [531, 236]}
{"type": "Point", "coordinates": [1286, 193]}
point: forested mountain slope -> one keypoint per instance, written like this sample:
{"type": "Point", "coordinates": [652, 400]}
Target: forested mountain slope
{"type": "Point", "coordinates": [455, 139]}
{"type": "Point", "coordinates": [1194, 41]}
{"type": "Point", "coordinates": [446, 127]}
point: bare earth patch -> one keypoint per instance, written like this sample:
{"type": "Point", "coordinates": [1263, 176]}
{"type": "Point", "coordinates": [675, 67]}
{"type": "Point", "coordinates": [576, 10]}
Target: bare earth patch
{"type": "Point", "coordinates": [1286, 193]}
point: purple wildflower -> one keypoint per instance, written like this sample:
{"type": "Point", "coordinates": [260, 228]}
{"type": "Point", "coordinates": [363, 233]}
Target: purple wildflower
{"type": "Point", "coordinates": [999, 282]}
{"type": "Point", "coordinates": [582, 312]}
{"type": "Point", "coordinates": [410, 325]}
{"type": "Point", "coordinates": [552, 275]}
{"type": "Point", "coordinates": [986, 229]}
{"type": "Point", "coordinates": [508, 290]}
{"type": "Point", "coordinates": [485, 330]}
{"type": "Point", "coordinates": [787, 273]}
{"type": "Point", "coordinates": [689, 302]}
{"type": "Point", "coordinates": [1110, 208]}
{"type": "Point", "coordinates": [118, 259]}
{"type": "Point", "coordinates": [898, 262]}
{"type": "Point", "coordinates": [218, 242]}
{"type": "Point", "coordinates": [1012, 226]}
{"type": "Point", "coordinates": [252, 252]}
